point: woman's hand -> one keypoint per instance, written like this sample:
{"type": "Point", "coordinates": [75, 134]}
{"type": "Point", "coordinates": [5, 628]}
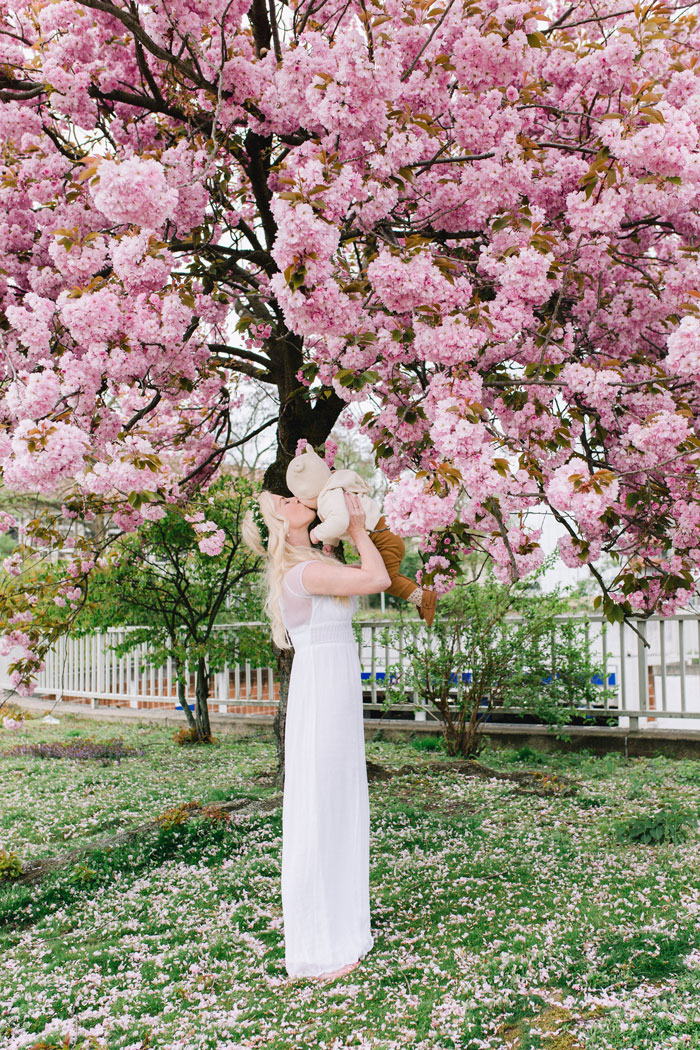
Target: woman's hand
{"type": "Point", "coordinates": [356, 513]}
{"type": "Point", "coordinates": [370, 577]}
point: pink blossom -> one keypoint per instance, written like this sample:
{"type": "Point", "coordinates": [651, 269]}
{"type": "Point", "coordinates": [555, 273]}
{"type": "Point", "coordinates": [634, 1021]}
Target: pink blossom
{"type": "Point", "coordinates": [683, 343]}
{"type": "Point", "coordinates": [213, 543]}
{"type": "Point", "coordinates": [42, 453]}
{"type": "Point", "coordinates": [93, 317]}
{"type": "Point", "coordinates": [34, 395]}
{"type": "Point", "coordinates": [134, 191]}
{"type": "Point", "coordinates": [410, 510]}
{"type": "Point", "coordinates": [660, 436]}
{"type": "Point", "coordinates": [573, 490]}
{"type": "Point", "coordinates": [13, 564]}
{"type": "Point", "coordinates": [403, 284]}
{"type": "Point", "coordinates": [141, 262]}
{"type": "Point", "coordinates": [575, 555]}
{"type": "Point", "coordinates": [331, 451]}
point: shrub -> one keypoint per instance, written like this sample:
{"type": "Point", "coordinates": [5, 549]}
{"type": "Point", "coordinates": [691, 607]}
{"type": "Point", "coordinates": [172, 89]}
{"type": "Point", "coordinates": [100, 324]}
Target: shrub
{"type": "Point", "coordinates": [177, 814]}
{"type": "Point", "coordinates": [10, 865]}
{"type": "Point", "coordinates": [655, 828]}
{"type": "Point", "coordinates": [527, 754]}
{"type": "Point", "coordinates": [186, 736]}
{"type": "Point", "coordinates": [427, 743]}
{"type": "Point", "coordinates": [495, 645]}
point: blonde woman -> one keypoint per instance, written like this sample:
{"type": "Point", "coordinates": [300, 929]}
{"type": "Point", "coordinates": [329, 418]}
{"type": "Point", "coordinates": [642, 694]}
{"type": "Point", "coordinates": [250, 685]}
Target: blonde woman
{"type": "Point", "coordinates": [325, 811]}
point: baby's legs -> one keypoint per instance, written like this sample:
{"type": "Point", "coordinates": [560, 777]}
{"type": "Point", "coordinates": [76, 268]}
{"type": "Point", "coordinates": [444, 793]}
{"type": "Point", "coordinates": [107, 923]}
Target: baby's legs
{"type": "Point", "coordinates": [392, 549]}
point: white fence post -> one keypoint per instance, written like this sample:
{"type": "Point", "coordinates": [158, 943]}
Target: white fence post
{"type": "Point", "coordinates": [642, 674]}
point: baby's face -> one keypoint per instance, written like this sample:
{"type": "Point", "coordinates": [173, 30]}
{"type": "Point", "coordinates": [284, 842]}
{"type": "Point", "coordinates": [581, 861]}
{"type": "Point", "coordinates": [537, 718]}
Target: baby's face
{"type": "Point", "coordinates": [312, 504]}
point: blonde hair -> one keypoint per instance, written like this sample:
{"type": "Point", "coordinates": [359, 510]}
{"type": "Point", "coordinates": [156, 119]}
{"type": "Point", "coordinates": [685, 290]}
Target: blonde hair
{"type": "Point", "coordinates": [280, 556]}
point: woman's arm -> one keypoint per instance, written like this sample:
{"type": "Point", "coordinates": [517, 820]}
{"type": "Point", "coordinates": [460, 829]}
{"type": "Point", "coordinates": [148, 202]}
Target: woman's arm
{"type": "Point", "coordinates": [370, 578]}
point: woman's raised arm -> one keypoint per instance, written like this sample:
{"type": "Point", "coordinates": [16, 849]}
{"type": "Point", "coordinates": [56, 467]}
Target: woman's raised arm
{"type": "Point", "coordinates": [370, 578]}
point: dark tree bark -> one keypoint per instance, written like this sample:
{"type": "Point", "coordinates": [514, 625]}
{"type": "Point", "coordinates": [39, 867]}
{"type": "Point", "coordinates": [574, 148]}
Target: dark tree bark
{"type": "Point", "coordinates": [201, 706]}
{"type": "Point", "coordinates": [284, 668]}
{"type": "Point", "coordinates": [298, 417]}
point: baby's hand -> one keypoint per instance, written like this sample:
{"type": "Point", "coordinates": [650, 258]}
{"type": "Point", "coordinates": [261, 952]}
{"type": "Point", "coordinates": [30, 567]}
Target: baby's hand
{"type": "Point", "coordinates": [328, 549]}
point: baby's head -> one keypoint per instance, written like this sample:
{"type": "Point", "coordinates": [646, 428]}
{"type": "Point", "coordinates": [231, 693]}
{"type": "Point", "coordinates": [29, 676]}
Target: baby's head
{"type": "Point", "coordinates": [307, 474]}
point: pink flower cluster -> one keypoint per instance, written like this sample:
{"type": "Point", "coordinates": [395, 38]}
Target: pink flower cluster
{"type": "Point", "coordinates": [41, 452]}
{"type": "Point", "coordinates": [331, 452]}
{"type": "Point", "coordinates": [211, 538]}
{"type": "Point", "coordinates": [212, 543]}
{"type": "Point", "coordinates": [683, 358]}
{"type": "Point", "coordinates": [411, 511]}
{"type": "Point", "coordinates": [573, 490]}
{"type": "Point", "coordinates": [660, 437]}
{"type": "Point", "coordinates": [404, 284]}
{"type": "Point", "coordinates": [134, 191]}
{"type": "Point", "coordinates": [7, 522]}
{"type": "Point", "coordinates": [516, 558]}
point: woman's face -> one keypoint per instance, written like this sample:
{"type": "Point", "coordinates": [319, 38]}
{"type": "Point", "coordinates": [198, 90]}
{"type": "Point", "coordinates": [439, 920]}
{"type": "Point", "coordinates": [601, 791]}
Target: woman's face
{"type": "Point", "coordinates": [294, 511]}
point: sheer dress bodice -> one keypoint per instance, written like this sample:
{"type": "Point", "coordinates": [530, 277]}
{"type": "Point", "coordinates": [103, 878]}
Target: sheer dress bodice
{"type": "Point", "coordinates": [314, 619]}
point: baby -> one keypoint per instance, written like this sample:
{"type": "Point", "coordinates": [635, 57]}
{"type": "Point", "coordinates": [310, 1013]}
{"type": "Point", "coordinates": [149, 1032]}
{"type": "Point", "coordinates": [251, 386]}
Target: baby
{"type": "Point", "coordinates": [312, 481]}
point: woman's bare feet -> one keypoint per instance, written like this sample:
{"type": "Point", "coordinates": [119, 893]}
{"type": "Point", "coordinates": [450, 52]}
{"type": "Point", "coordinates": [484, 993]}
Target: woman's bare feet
{"type": "Point", "coordinates": [337, 973]}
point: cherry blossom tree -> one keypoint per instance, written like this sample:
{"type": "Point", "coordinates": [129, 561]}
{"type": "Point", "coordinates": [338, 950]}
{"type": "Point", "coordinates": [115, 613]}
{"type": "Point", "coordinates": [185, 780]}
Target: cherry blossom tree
{"type": "Point", "coordinates": [481, 215]}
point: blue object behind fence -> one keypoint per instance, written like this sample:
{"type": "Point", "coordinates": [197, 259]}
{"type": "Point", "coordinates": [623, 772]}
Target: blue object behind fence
{"type": "Point", "coordinates": [380, 676]}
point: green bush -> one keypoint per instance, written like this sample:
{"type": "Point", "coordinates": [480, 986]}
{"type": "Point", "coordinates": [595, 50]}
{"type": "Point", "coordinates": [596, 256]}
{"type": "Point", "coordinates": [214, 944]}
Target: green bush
{"type": "Point", "coordinates": [427, 743]}
{"type": "Point", "coordinates": [494, 645]}
{"type": "Point", "coordinates": [655, 828]}
{"type": "Point", "coordinates": [10, 865]}
{"type": "Point", "coordinates": [527, 754]}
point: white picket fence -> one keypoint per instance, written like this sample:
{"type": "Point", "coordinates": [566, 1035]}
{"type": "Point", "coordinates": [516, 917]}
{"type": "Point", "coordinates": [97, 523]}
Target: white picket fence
{"type": "Point", "coordinates": [656, 686]}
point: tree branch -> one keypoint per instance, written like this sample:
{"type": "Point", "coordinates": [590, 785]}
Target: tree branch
{"type": "Point", "coordinates": [130, 22]}
{"type": "Point", "coordinates": [222, 348]}
{"type": "Point", "coordinates": [225, 448]}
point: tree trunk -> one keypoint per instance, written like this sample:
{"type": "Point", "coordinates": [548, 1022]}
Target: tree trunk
{"type": "Point", "coordinates": [183, 699]}
{"type": "Point", "coordinates": [470, 745]}
{"type": "Point", "coordinates": [298, 418]}
{"type": "Point", "coordinates": [201, 707]}
{"type": "Point", "coordinates": [284, 668]}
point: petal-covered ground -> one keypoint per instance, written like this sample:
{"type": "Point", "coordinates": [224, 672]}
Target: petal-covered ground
{"type": "Point", "coordinates": [503, 918]}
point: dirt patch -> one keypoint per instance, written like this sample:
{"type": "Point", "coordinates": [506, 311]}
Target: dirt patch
{"type": "Point", "coordinates": [535, 782]}
{"type": "Point", "coordinates": [549, 1026]}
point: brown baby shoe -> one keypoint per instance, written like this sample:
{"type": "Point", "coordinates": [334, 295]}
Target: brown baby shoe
{"type": "Point", "coordinates": [426, 610]}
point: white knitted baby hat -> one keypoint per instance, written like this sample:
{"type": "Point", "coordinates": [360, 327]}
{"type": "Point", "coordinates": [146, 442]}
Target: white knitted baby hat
{"type": "Point", "coordinates": [307, 474]}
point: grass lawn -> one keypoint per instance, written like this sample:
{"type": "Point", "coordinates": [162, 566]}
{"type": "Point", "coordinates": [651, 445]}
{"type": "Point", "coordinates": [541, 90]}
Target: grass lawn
{"type": "Point", "coordinates": [502, 918]}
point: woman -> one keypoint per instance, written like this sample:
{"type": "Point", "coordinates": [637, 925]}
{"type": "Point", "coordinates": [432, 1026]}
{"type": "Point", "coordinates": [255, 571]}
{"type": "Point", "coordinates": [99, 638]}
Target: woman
{"type": "Point", "coordinates": [325, 810]}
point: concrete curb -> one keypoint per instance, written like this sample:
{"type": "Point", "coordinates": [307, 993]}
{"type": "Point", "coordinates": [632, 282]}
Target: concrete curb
{"type": "Point", "coordinates": [672, 743]}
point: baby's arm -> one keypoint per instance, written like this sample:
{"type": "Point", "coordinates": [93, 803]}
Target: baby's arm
{"type": "Point", "coordinates": [328, 546]}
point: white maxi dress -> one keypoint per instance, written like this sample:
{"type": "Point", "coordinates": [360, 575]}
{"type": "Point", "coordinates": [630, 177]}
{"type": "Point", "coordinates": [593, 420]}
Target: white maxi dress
{"type": "Point", "coordinates": [325, 810]}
